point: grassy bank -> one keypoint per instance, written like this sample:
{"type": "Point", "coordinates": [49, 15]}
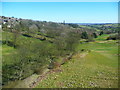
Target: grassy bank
{"type": "Point", "coordinates": [97, 68]}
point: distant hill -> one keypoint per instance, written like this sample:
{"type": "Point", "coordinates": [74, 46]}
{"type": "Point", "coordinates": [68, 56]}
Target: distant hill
{"type": "Point", "coordinates": [91, 23]}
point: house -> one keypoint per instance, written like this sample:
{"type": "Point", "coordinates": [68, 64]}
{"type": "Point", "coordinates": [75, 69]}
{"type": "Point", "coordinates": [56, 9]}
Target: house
{"type": "Point", "coordinates": [0, 26]}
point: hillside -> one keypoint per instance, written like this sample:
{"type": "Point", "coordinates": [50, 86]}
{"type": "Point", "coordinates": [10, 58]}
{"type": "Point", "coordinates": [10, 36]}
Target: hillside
{"type": "Point", "coordinates": [58, 53]}
{"type": "Point", "coordinates": [96, 67]}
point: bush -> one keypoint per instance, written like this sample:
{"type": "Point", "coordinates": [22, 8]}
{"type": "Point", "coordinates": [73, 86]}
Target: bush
{"type": "Point", "coordinates": [94, 35]}
{"type": "Point", "coordinates": [74, 25]}
{"type": "Point", "coordinates": [101, 33]}
{"type": "Point", "coordinates": [113, 37]}
{"type": "Point", "coordinates": [84, 35]}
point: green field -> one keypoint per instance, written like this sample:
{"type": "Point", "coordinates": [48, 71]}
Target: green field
{"type": "Point", "coordinates": [48, 54]}
{"type": "Point", "coordinates": [96, 67]}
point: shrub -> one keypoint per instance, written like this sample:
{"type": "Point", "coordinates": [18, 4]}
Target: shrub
{"type": "Point", "coordinates": [113, 37]}
{"type": "Point", "coordinates": [84, 35]}
{"type": "Point", "coordinates": [94, 35]}
{"type": "Point", "coordinates": [101, 33]}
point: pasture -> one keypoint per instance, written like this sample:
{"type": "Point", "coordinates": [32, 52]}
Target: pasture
{"type": "Point", "coordinates": [96, 67]}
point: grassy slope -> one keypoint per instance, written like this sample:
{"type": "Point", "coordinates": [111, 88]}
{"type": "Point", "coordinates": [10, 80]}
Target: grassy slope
{"type": "Point", "coordinates": [7, 57]}
{"type": "Point", "coordinates": [9, 52]}
{"type": "Point", "coordinates": [97, 68]}
{"type": "Point", "coordinates": [89, 27]}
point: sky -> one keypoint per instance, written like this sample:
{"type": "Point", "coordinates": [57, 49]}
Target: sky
{"type": "Point", "coordinates": [60, 0]}
{"type": "Point", "coordinates": [71, 12]}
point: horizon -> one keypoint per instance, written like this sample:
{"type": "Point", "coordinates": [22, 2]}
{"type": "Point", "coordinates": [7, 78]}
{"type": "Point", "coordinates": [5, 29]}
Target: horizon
{"type": "Point", "coordinates": [67, 22]}
{"type": "Point", "coordinates": [71, 12]}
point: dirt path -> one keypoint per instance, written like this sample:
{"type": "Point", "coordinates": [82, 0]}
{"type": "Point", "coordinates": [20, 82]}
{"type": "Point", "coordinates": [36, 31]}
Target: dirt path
{"type": "Point", "coordinates": [34, 80]}
{"type": "Point", "coordinates": [41, 77]}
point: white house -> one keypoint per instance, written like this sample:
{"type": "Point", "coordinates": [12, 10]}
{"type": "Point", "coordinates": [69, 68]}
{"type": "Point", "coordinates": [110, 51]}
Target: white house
{"type": "Point", "coordinates": [0, 26]}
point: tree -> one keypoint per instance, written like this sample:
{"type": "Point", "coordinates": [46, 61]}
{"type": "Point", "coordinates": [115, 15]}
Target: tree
{"type": "Point", "coordinates": [71, 40]}
{"type": "Point", "coordinates": [84, 35]}
{"type": "Point", "coordinates": [15, 37]}
{"type": "Point", "coordinates": [60, 45]}
{"type": "Point", "coordinates": [94, 35]}
{"type": "Point", "coordinates": [6, 29]}
{"type": "Point", "coordinates": [16, 33]}
{"type": "Point", "coordinates": [33, 29]}
{"type": "Point", "coordinates": [101, 33]}
{"type": "Point", "coordinates": [90, 38]}
{"type": "Point", "coordinates": [74, 25]}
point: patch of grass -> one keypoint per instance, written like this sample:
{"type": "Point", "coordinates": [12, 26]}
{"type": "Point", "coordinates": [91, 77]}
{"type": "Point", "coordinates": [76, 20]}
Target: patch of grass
{"type": "Point", "coordinates": [110, 46]}
{"type": "Point", "coordinates": [102, 37]}
{"type": "Point", "coordinates": [87, 72]}
{"type": "Point", "coordinates": [7, 54]}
